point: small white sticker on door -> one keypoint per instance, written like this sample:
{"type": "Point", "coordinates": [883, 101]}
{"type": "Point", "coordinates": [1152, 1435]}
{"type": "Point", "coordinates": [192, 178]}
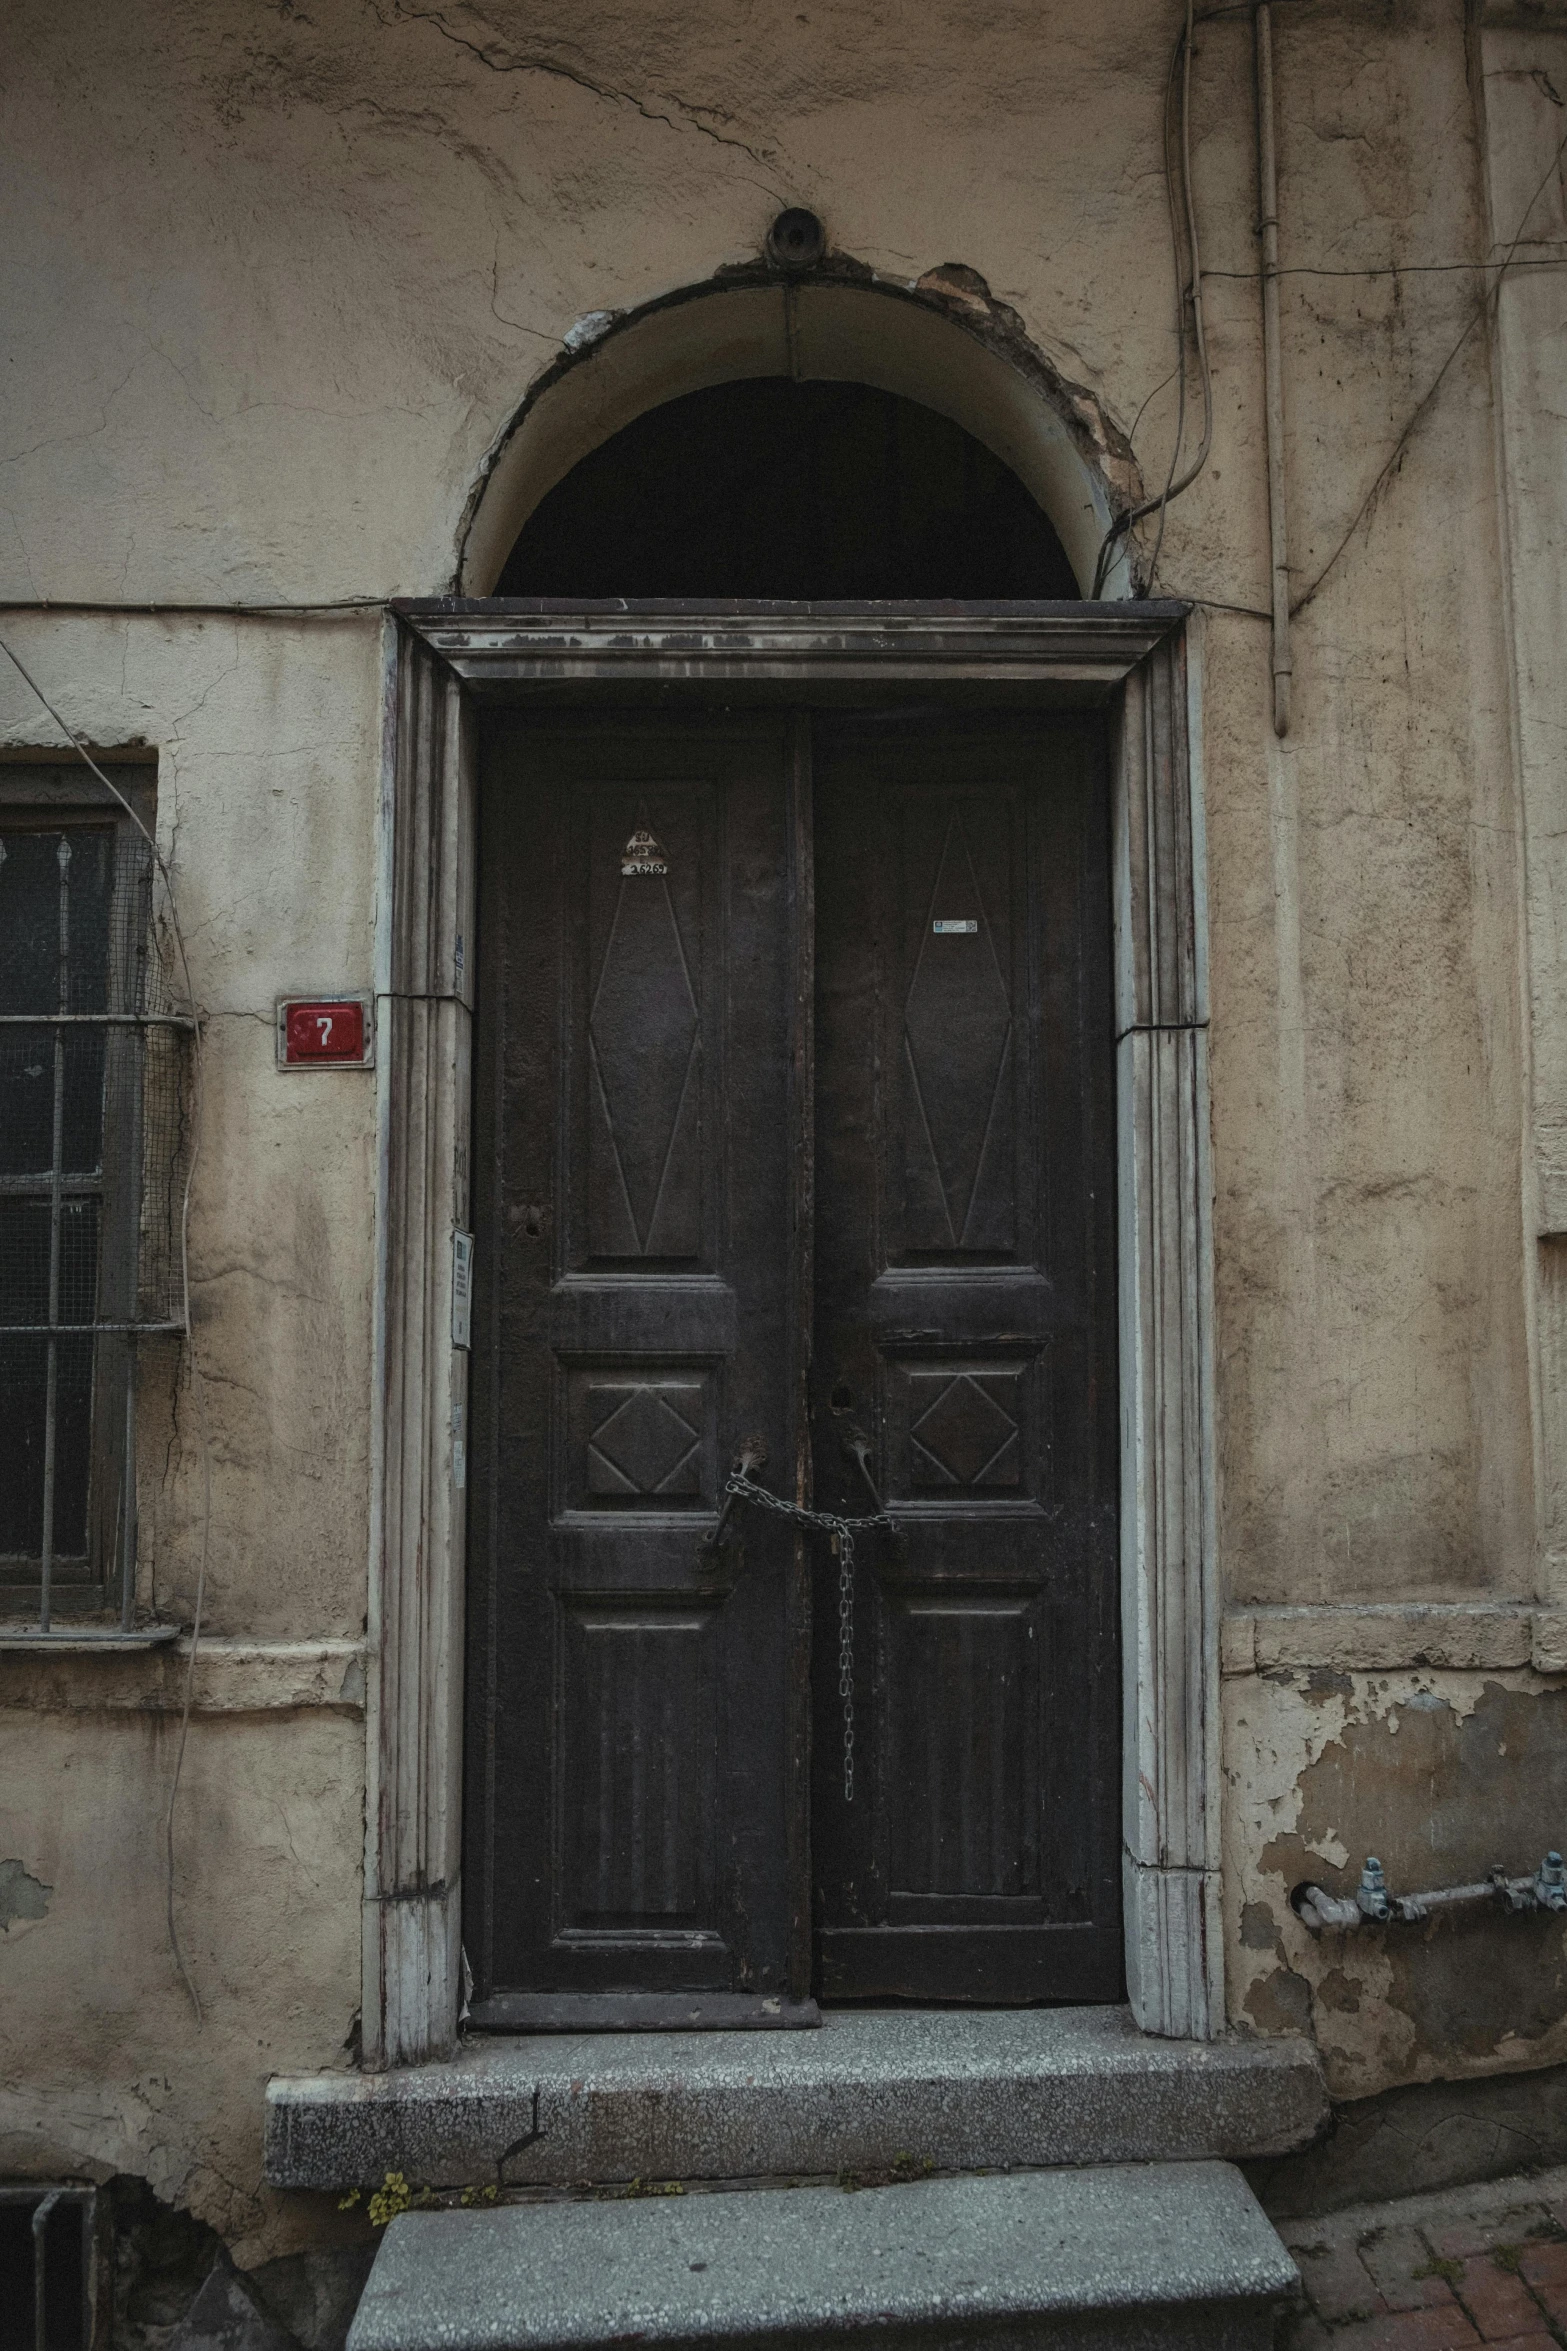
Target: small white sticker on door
{"type": "Point", "coordinates": [945, 930]}
{"type": "Point", "coordinates": [643, 854]}
{"type": "Point", "coordinates": [462, 1288]}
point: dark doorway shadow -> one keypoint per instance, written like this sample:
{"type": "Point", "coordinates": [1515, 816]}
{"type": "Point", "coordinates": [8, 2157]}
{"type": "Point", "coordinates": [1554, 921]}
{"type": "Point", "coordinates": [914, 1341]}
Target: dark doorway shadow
{"type": "Point", "coordinates": [773, 489]}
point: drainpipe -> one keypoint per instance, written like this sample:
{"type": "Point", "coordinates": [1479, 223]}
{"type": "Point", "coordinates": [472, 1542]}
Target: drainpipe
{"type": "Point", "coordinates": [1273, 372]}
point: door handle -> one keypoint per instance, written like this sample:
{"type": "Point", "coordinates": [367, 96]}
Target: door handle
{"type": "Point", "coordinates": [752, 1455]}
{"type": "Point", "coordinates": [856, 1447]}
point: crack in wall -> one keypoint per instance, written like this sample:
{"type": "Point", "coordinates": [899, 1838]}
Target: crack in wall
{"type": "Point", "coordinates": [688, 119]}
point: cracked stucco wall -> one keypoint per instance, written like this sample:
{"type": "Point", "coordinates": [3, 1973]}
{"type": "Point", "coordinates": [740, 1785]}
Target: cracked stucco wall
{"type": "Point", "coordinates": [267, 776]}
{"type": "Point", "coordinates": [1444, 1776]}
{"type": "Point", "coordinates": [276, 280]}
{"type": "Point", "coordinates": [104, 2068]}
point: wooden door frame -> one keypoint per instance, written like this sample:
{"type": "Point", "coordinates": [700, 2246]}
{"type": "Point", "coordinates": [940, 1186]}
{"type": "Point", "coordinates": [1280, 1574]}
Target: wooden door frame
{"type": "Point", "coordinates": [1135, 661]}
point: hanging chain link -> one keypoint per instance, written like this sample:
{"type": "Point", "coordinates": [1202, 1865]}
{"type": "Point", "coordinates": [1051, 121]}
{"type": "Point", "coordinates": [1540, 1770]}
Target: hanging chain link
{"type": "Point", "coordinates": [842, 1532]}
{"type": "Point", "coordinates": [843, 1548]}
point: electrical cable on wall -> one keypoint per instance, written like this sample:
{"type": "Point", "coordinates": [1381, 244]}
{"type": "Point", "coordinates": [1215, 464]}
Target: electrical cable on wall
{"type": "Point", "coordinates": [197, 1387]}
{"type": "Point", "coordinates": [1190, 286]}
{"type": "Point", "coordinates": [1482, 306]}
{"type": "Point", "coordinates": [1188, 297]}
{"type": "Point", "coordinates": [353, 608]}
{"type": "Point", "coordinates": [1272, 363]}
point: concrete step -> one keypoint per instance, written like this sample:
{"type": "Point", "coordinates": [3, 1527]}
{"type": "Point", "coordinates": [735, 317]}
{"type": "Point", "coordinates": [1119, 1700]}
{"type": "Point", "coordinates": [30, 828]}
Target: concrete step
{"type": "Point", "coordinates": [1121, 2258]}
{"type": "Point", "coordinates": [965, 2091]}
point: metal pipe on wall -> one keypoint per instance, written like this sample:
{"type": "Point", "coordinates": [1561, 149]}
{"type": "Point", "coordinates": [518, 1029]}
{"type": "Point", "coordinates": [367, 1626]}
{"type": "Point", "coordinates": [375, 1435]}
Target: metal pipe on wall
{"type": "Point", "coordinates": [1372, 1903]}
{"type": "Point", "coordinates": [1273, 370]}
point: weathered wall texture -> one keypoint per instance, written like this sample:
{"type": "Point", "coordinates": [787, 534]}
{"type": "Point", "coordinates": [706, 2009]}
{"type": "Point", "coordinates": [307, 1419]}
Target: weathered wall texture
{"type": "Point", "coordinates": [105, 2068]}
{"type": "Point", "coordinates": [1444, 1776]}
{"type": "Point", "coordinates": [266, 743]}
{"type": "Point", "coordinates": [276, 279]}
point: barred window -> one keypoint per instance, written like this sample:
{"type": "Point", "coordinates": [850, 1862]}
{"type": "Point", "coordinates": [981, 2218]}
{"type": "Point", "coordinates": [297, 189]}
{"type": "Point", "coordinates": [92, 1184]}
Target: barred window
{"type": "Point", "coordinates": [93, 1114]}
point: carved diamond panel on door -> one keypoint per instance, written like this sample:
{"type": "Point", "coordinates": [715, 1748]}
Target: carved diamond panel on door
{"type": "Point", "coordinates": [963, 1428]}
{"type": "Point", "coordinates": [968, 1426]}
{"type": "Point", "coordinates": [641, 1437]}
{"type": "Point", "coordinates": [643, 1443]}
{"type": "Point", "coordinates": [644, 1025]}
{"type": "Point", "coordinates": [629, 1767]}
{"type": "Point", "coordinates": [966, 1315]}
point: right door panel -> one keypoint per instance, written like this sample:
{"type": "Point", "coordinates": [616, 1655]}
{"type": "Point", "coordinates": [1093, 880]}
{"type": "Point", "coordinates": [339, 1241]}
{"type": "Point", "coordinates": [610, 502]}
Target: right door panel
{"type": "Point", "coordinates": [966, 1323]}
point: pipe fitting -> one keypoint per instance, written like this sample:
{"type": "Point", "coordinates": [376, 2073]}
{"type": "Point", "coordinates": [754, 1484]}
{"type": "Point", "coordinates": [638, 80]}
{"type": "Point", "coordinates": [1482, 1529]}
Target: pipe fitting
{"type": "Point", "coordinates": [1371, 1895]}
{"type": "Point", "coordinates": [1374, 1905]}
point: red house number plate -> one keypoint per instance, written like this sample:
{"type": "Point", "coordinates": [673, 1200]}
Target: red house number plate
{"type": "Point", "coordinates": [324, 1029]}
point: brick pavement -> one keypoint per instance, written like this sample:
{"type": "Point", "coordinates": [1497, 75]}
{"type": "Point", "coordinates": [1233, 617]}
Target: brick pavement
{"type": "Point", "coordinates": [1486, 2264]}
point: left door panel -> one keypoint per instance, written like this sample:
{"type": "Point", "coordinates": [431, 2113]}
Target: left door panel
{"type": "Point", "coordinates": [629, 1751]}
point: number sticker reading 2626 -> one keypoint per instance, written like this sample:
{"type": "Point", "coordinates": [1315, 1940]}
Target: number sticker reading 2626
{"type": "Point", "coordinates": [324, 1032]}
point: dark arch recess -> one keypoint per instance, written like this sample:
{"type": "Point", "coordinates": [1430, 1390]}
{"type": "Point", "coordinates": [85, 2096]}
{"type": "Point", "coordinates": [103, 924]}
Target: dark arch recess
{"type": "Point", "coordinates": [770, 488]}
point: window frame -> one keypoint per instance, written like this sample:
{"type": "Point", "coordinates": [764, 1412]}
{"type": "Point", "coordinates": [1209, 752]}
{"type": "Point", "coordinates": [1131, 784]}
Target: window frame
{"type": "Point", "coordinates": [101, 1579]}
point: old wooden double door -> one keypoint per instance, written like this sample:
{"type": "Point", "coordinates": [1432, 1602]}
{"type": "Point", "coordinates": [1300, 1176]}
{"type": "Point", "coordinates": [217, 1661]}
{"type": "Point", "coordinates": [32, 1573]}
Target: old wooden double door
{"type": "Point", "coordinates": [794, 1122]}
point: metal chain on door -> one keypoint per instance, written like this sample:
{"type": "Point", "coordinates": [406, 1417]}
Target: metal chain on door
{"type": "Point", "coordinates": [842, 1531]}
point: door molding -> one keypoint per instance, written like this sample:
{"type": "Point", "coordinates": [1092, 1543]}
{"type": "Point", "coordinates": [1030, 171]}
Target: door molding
{"type": "Point", "coordinates": [411, 1948]}
{"type": "Point", "coordinates": [445, 656]}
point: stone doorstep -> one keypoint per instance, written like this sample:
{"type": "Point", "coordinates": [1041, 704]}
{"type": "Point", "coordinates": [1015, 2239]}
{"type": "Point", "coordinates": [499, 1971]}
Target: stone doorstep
{"type": "Point", "coordinates": [955, 2091]}
{"type": "Point", "coordinates": [1116, 2258]}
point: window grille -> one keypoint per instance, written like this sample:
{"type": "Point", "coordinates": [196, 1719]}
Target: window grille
{"type": "Point", "coordinates": [52, 2276]}
{"type": "Point", "coordinates": [94, 1141]}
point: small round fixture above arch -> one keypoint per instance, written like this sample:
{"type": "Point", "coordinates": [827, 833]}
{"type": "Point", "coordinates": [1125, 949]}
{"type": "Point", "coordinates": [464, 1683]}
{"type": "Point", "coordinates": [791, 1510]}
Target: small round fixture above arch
{"type": "Point", "coordinates": [796, 241]}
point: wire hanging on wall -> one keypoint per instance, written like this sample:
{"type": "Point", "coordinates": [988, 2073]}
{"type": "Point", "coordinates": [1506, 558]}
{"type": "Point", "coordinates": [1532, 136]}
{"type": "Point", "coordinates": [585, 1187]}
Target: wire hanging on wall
{"type": "Point", "coordinates": [164, 1143]}
{"type": "Point", "coordinates": [1187, 256]}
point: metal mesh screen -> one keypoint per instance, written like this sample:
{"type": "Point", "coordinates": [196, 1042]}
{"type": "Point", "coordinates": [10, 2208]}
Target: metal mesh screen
{"type": "Point", "coordinates": [94, 1140]}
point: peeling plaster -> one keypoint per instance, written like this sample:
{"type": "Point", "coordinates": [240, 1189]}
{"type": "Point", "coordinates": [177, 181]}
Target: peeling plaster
{"type": "Point", "coordinates": [1443, 1777]}
{"type": "Point", "coordinates": [22, 1896]}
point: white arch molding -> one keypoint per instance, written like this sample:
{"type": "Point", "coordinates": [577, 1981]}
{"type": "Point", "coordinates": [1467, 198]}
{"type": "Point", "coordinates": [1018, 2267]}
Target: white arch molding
{"type": "Point", "coordinates": [818, 331]}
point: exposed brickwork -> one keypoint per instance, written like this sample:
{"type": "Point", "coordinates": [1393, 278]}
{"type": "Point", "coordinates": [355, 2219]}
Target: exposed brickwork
{"type": "Point", "coordinates": [1481, 2265]}
{"type": "Point", "coordinates": [1498, 2301]}
{"type": "Point", "coordinates": [1434, 2329]}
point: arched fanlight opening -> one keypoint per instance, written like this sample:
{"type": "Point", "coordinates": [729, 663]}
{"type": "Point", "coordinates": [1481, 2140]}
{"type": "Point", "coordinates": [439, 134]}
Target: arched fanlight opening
{"type": "Point", "coordinates": [833, 392]}
{"type": "Point", "coordinates": [770, 488]}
